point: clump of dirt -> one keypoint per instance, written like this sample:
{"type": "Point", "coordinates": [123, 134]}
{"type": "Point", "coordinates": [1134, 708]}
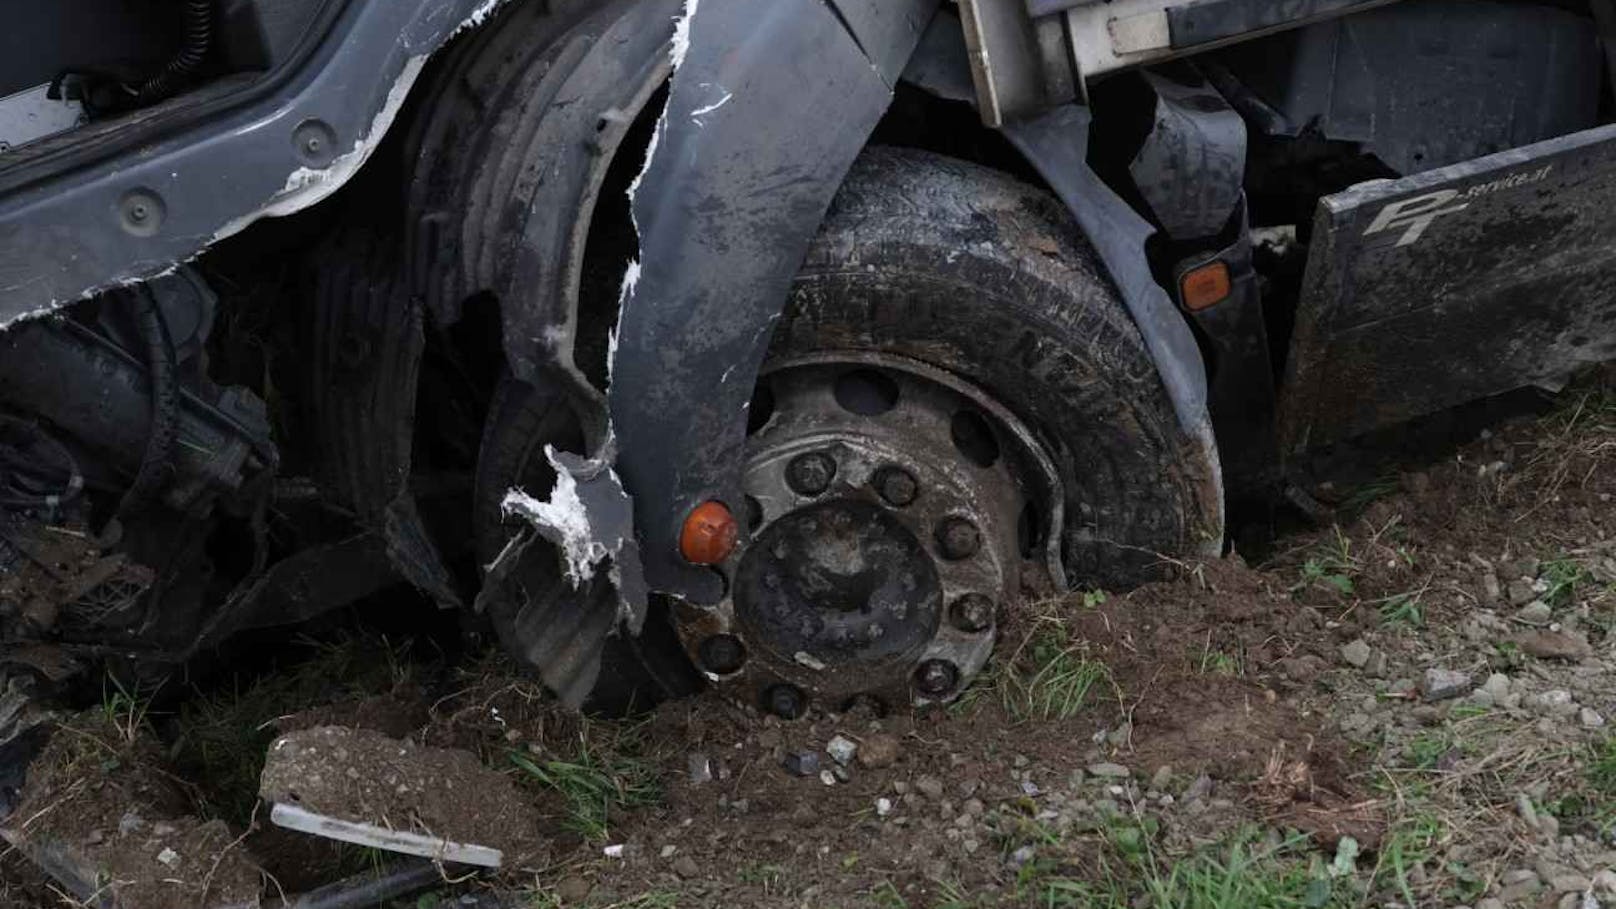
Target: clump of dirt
{"type": "Point", "coordinates": [98, 806]}
{"type": "Point", "coordinates": [363, 775]}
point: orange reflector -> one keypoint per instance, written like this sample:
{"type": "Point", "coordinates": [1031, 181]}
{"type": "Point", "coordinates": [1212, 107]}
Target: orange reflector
{"type": "Point", "coordinates": [1204, 286]}
{"type": "Point", "coordinates": [709, 534]}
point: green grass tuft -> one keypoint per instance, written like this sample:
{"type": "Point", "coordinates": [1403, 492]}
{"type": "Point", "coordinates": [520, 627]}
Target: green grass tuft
{"type": "Point", "coordinates": [599, 781]}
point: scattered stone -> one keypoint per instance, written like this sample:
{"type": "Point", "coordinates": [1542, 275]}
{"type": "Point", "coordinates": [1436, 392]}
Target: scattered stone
{"type": "Point", "coordinates": [1021, 856]}
{"type": "Point", "coordinates": [883, 806]}
{"type": "Point", "coordinates": [1443, 684]}
{"type": "Point", "coordinates": [1553, 645]}
{"type": "Point", "coordinates": [1491, 587]}
{"type": "Point", "coordinates": [1569, 883]}
{"type": "Point", "coordinates": [879, 750]}
{"type": "Point", "coordinates": [1536, 612]}
{"type": "Point", "coordinates": [1555, 702]}
{"type": "Point", "coordinates": [1521, 592]}
{"type": "Point", "coordinates": [686, 867]}
{"type": "Point", "coordinates": [1377, 665]}
{"type": "Point", "coordinates": [1590, 718]}
{"type": "Point", "coordinates": [1498, 686]}
{"type": "Point", "coordinates": [841, 749]}
{"type": "Point", "coordinates": [1305, 668]}
{"type": "Point", "coordinates": [701, 768]}
{"type": "Point", "coordinates": [1162, 779]}
{"type": "Point", "coordinates": [573, 889]}
{"type": "Point", "coordinates": [1109, 771]}
{"type": "Point", "coordinates": [1199, 790]}
{"type": "Point", "coordinates": [1357, 653]}
{"type": "Point", "coordinates": [168, 857]}
{"type": "Point", "coordinates": [929, 786]}
{"type": "Point", "coordinates": [802, 763]}
{"type": "Point", "coordinates": [828, 778]}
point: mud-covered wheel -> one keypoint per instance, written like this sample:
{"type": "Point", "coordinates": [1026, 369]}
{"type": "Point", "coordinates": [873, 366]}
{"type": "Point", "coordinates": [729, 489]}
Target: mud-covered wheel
{"type": "Point", "coordinates": [956, 408]}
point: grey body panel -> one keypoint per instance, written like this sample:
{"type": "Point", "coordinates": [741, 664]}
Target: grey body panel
{"type": "Point", "coordinates": [1192, 167]}
{"type": "Point", "coordinates": [767, 112]}
{"type": "Point", "coordinates": [1475, 279]}
{"type": "Point", "coordinates": [131, 217]}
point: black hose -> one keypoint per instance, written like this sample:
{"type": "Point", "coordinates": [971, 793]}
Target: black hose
{"type": "Point", "coordinates": [165, 401]}
{"type": "Point", "coordinates": [194, 49]}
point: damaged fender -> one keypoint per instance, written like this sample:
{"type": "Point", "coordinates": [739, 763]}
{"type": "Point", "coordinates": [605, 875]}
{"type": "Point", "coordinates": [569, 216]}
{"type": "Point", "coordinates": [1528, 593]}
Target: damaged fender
{"type": "Point", "coordinates": [769, 106]}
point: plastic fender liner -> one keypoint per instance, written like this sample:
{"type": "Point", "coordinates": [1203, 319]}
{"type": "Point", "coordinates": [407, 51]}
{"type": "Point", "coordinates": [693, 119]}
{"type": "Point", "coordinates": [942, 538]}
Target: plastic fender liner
{"type": "Point", "coordinates": [769, 106]}
{"type": "Point", "coordinates": [1056, 144]}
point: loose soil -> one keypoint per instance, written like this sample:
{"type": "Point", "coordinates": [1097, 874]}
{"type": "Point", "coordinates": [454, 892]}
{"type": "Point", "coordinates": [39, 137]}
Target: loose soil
{"type": "Point", "coordinates": [1407, 708]}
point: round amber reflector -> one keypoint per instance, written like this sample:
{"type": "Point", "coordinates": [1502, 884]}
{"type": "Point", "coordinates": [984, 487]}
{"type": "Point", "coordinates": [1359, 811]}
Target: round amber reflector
{"type": "Point", "coordinates": [709, 534]}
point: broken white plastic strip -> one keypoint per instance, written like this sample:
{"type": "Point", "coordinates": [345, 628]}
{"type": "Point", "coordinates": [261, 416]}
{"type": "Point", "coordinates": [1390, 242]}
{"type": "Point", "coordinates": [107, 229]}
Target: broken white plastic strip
{"type": "Point", "coordinates": [304, 821]}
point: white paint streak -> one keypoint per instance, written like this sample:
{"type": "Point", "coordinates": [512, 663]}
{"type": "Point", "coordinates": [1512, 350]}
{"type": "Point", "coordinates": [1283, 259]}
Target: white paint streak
{"type": "Point", "coordinates": [681, 34]}
{"type": "Point", "coordinates": [564, 515]}
{"type": "Point", "coordinates": [701, 111]}
{"type": "Point", "coordinates": [478, 16]}
{"type": "Point", "coordinates": [307, 186]}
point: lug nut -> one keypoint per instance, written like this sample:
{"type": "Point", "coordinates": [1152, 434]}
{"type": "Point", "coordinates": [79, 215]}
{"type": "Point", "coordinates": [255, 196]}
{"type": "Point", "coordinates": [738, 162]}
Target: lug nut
{"type": "Point", "coordinates": [958, 539]}
{"type": "Point", "coordinates": [936, 678]}
{"type": "Point", "coordinates": [722, 654]}
{"type": "Point", "coordinates": [972, 612]}
{"type": "Point", "coordinates": [896, 485]}
{"type": "Point", "coordinates": [785, 701]}
{"type": "Point", "coordinates": [810, 474]}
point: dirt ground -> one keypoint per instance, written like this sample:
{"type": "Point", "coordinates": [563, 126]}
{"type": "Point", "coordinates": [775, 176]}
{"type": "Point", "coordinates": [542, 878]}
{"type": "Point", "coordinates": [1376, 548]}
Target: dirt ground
{"type": "Point", "coordinates": [1409, 707]}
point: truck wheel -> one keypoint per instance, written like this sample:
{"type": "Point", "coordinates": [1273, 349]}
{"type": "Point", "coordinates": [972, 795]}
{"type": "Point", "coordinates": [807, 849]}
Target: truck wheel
{"type": "Point", "coordinates": [956, 408]}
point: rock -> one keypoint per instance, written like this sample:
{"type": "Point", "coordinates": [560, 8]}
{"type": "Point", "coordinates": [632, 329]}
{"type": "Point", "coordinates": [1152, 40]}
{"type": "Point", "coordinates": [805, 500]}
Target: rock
{"type": "Point", "coordinates": [573, 889]}
{"type": "Point", "coordinates": [1109, 771]}
{"type": "Point", "coordinates": [1497, 685]}
{"type": "Point", "coordinates": [1605, 881]}
{"type": "Point", "coordinates": [701, 768]}
{"type": "Point", "coordinates": [929, 786]}
{"type": "Point", "coordinates": [1590, 718]}
{"type": "Point", "coordinates": [1528, 813]}
{"type": "Point", "coordinates": [1162, 779]}
{"type": "Point", "coordinates": [841, 749]}
{"type": "Point", "coordinates": [1199, 790]}
{"type": "Point", "coordinates": [883, 807]}
{"type": "Point", "coordinates": [1304, 669]}
{"type": "Point", "coordinates": [1356, 653]}
{"type": "Point", "coordinates": [1536, 612]}
{"type": "Point", "coordinates": [1554, 702]}
{"type": "Point", "coordinates": [1490, 586]}
{"type": "Point", "coordinates": [1490, 903]}
{"type": "Point", "coordinates": [1482, 698]}
{"type": "Point", "coordinates": [1553, 645]}
{"type": "Point", "coordinates": [168, 857]}
{"type": "Point", "coordinates": [802, 763]}
{"type": "Point", "coordinates": [1569, 882]}
{"type": "Point", "coordinates": [1021, 856]}
{"type": "Point", "coordinates": [1377, 665]}
{"type": "Point", "coordinates": [828, 778]}
{"type": "Point", "coordinates": [686, 867]}
{"type": "Point", "coordinates": [1521, 592]}
{"type": "Point", "coordinates": [879, 750]}
{"type": "Point", "coordinates": [1442, 684]}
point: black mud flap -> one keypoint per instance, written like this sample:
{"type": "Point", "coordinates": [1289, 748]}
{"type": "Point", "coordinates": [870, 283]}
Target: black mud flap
{"type": "Point", "coordinates": [1449, 286]}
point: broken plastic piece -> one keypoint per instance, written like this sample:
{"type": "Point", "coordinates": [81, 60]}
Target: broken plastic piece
{"type": "Point", "coordinates": [304, 821]}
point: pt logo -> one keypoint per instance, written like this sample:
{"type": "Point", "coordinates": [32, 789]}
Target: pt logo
{"type": "Point", "coordinates": [1413, 216]}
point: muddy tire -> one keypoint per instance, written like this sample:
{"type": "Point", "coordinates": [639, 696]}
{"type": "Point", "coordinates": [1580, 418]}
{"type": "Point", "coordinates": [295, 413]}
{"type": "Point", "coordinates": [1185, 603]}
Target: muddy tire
{"type": "Point", "coordinates": [976, 273]}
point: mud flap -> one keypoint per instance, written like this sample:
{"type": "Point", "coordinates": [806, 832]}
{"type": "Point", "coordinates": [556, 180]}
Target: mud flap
{"type": "Point", "coordinates": [1452, 285]}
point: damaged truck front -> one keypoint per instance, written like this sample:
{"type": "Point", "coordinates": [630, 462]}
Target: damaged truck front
{"type": "Point", "coordinates": [774, 348]}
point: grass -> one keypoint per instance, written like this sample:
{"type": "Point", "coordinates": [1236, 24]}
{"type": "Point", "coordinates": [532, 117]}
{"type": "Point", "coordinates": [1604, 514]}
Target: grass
{"type": "Point", "coordinates": [1402, 611]}
{"type": "Point", "coordinates": [1050, 676]}
{"type": "Point", "coordinates": [224, 732]}
{"type": "Point", "coordinates": [604, 777]}
{"type": "Point", "coordinates": [1332, 566]}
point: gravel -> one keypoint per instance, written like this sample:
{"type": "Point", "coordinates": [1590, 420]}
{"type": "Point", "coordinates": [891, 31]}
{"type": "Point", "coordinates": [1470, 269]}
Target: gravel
{"type": "Point", "coordinates": [1444, 684]}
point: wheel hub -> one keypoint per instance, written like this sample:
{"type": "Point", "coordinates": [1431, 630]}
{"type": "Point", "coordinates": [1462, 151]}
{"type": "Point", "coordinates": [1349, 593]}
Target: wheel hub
{"type": "Point", "coordinates": [843, 580]}
{"type": "Point", "coordinates": [892, 509]}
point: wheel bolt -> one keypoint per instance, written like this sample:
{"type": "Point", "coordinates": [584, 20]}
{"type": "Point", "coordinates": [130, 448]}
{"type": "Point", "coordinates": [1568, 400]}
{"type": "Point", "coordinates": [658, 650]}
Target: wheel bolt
{"type": "Point", "coordinates": [722, 654]}
{"type": "Point", "coordinates": [785, 701]}
{"type": "Point", "coordinates": [896, 485]}
{"type": "Point", "coordinates": [810, 474]}
{"type": "Point", "coordinates": [958, 538]}
{"type": "Point", "coordinates": [936, 678]}
{"type": "Point", "coordinates": [972, 612]}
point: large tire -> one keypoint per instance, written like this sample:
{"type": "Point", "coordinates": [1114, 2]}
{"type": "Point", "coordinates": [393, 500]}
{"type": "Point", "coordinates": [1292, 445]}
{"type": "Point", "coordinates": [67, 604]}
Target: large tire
{"type": "Point", "coordinates": [977, 273]}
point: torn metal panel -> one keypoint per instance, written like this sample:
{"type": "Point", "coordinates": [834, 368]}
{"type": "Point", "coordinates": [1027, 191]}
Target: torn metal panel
{"type": "Point", "coordinates": [1453, 285]}
{"type": "Point", "coordinates": [1056, 144]}
{"type": "Point", "coordinates": [553, 606]}
{"type": "Point", "coordinates": [726, 207]}
{"type": "Point", "coordinates": [129, 218]}
{"type": "Point", "coordinates": [1192, 167]}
